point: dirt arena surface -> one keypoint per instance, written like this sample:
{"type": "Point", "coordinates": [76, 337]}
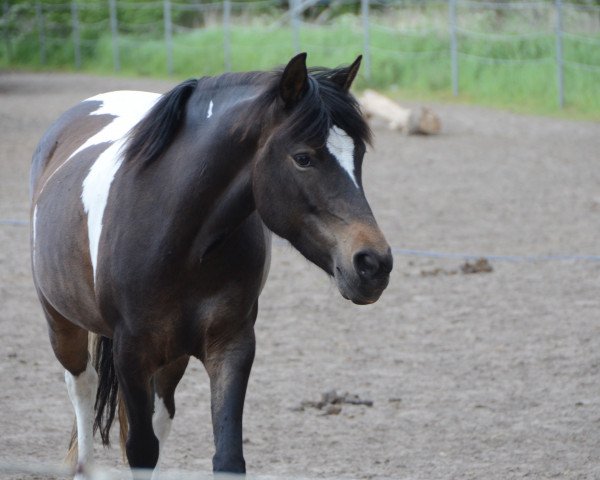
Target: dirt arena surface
{"type": "Point", "coordinates": [483, 376]}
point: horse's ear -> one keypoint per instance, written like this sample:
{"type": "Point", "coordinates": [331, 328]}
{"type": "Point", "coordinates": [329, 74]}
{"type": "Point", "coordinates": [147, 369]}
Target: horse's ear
{"type": "Point", "coordinates": [294, 80]}
{"type": "Point", "coordinates": [345, 76]}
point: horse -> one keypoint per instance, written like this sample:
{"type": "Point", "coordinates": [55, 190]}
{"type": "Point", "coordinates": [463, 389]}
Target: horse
{"type": "Point", "coordinates": [152, 218]}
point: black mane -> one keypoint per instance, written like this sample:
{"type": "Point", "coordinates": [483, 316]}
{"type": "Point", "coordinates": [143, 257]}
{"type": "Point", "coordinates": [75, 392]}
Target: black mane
{"type": "Point", "coordinates": [323, 105]}
{"type": "Point", "coordinates": [154, 133]}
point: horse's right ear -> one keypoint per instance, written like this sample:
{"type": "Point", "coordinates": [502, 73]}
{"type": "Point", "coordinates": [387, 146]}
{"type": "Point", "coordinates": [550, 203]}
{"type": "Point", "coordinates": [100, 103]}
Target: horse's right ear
{"type": "Point", "coordinates": [294, 80]}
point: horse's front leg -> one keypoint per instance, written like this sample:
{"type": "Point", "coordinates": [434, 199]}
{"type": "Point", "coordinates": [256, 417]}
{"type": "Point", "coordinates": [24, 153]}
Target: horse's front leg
{"type": "Point", "coordinates": [165, 383]}
{"type": "Point", "coordinates": [134, 373]}
{"type": "Point", "coordinates": [228, 362]}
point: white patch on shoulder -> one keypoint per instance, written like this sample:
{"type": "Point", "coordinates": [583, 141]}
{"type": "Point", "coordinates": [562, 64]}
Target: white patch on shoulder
{"type": "Point", "coordinates": [82, 392]}
{"type": "Point", "coordinates": [210, 108]}
{"type": "Point", "coordinates": [129, 108]}
{"type": "Point", "coordinates": [161, 424]}
{"type": "Point", "coordinates": [341, 146]}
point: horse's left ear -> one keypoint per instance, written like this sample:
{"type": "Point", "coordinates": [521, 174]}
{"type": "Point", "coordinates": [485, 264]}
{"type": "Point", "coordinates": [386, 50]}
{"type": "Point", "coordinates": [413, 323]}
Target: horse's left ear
{"type": "Point", "coordinates": [294, 80]}
{"type": "Point", "coordinates": [346, 76]}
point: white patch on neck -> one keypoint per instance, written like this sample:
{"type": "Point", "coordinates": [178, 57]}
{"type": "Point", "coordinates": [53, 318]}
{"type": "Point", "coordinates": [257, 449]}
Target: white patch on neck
{"type": "Point", "coordinates": [209, 112]}
{"type": "Point", "coordinates": [341, 146]}
{"type": "Point", "coordinates": [129, 108]}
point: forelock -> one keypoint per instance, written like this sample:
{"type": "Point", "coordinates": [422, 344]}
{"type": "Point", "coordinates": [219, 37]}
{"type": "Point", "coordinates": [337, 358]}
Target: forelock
{"type": "Point", "coordinates": [323, 106]}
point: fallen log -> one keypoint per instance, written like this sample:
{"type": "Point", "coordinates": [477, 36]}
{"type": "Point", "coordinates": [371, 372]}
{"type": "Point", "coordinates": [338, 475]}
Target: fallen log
{"type": "Point", "coordinates": [409, 121]}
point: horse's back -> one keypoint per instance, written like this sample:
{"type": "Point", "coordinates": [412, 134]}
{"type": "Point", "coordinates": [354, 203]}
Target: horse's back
{"type": "Point", "coordinates": [75, 127]}
{"type": "Point", "coordinates": [60, 140]}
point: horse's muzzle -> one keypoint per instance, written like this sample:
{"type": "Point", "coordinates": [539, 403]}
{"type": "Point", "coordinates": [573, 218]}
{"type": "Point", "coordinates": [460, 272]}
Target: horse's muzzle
{"type": "Point", "coordinates": [365, 279]}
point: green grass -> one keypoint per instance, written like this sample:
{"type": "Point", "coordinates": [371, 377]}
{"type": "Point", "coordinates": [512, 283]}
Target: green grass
{"type": "Point", "coordinates": [417, 66]}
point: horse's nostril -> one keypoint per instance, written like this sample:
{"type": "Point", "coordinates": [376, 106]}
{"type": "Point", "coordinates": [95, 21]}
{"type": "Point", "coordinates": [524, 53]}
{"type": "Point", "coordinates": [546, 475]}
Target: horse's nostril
{"type": "Point", "coordinates": [370, 264]}
{"type": "Point", "coordinates": [387, 262]}
{"type": "Point", "coordinates": [366, 263]}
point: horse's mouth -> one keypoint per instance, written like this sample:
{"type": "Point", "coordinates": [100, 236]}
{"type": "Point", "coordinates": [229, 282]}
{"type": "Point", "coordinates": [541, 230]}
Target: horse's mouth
{"type": "Point", "coordinates": [356, 301]}
{"type": "Point", "coordinates": [358, 292]}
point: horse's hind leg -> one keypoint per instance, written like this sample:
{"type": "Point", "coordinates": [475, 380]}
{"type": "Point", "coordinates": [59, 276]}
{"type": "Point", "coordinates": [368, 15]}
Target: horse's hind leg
{"type": "Point", "coordinates": [70, 345]}
{"type": "Point", "coordinates": [165, 383]}
{"type": "Point", "coordinates": [82, 392]}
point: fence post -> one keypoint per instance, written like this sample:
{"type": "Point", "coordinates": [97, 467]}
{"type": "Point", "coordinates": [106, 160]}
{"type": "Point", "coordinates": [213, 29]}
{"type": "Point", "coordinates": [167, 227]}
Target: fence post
{"type": "Point", "coordinates": [364, 7]}
{"type": "Point", "coordinates": [6, 15]}
{"type": "Point", "coordinates": [453, 46]}
{"type": "Point", "coordinates": [39, 14]}
{"type": "Point", "coordinates": [227, 34]}
{"type": "Point", "coordinates": [168, 34]}
{"type": "Point", "coordinates": [295, 17]}
{"type": "Point", "coordinates": [114, 27]}
{"type": "Point", "coordinates": [76, 34]}
{"type": "Point", "coordinates": [559, 55]}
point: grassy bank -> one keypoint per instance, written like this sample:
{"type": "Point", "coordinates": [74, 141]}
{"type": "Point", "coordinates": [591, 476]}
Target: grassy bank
{"type": "Point", "coordinates": [519, 74]}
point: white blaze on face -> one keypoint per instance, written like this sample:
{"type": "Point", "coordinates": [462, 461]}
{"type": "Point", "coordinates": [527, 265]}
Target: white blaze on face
{"type": "Point", "coordinates": [210, 108]}
{"type": "Point", "coordinates": [129, 108]}
{"type": "Point", "coordinates": [341, 146]}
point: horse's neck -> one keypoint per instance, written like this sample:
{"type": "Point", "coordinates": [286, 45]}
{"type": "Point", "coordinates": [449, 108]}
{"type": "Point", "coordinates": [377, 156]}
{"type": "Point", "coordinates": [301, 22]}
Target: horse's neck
{"type": "Point", "coordinates": [212, 172]}
{"type": "Point", "coordinates": [232, 206]}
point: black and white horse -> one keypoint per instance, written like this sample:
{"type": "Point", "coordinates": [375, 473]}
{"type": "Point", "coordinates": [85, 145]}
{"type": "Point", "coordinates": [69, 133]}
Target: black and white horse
{"type": "Point", "coordinates": [151, 224]}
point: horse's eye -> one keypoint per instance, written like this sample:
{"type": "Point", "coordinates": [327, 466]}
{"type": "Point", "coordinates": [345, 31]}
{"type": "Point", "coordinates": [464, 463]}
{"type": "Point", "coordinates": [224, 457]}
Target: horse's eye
{"type": "Point", "coordinates": [302, 160]}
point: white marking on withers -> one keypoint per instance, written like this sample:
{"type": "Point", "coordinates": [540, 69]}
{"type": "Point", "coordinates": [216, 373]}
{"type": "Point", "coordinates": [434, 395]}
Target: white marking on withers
{"type": "Point", "coordinates": [82, 392]}
{"type": "Point", "coordinates": [210, 108]}
{"type": "Point", "coordinates": [129, 108]}
{"type": "Point", "coordinates": [113, 103]}
{"type": "Point", "coordinates": [341, 146]}
{"type": "Point", "coordinates": [161, 424]}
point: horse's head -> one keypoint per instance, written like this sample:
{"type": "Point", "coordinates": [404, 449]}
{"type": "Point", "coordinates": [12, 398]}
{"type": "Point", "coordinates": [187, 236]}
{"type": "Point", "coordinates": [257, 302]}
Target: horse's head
{"type": "Point", "coordinates": [307, 179]}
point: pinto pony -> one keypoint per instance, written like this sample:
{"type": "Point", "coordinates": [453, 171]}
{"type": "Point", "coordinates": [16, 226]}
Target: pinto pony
{"type": "Point", "coordinates": [151, 228]}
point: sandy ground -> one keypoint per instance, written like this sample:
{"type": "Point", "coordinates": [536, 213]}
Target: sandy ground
{"type": "Point", "coordinates": [488, 376]}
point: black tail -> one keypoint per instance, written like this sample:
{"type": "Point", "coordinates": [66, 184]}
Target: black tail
{"type": "Point", "coordinates": [108, 388]}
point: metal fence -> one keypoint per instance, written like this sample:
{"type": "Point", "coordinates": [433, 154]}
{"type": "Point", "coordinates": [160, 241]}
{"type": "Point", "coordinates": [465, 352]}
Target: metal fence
{"type": "Point", "coordinates": [455, 23]}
